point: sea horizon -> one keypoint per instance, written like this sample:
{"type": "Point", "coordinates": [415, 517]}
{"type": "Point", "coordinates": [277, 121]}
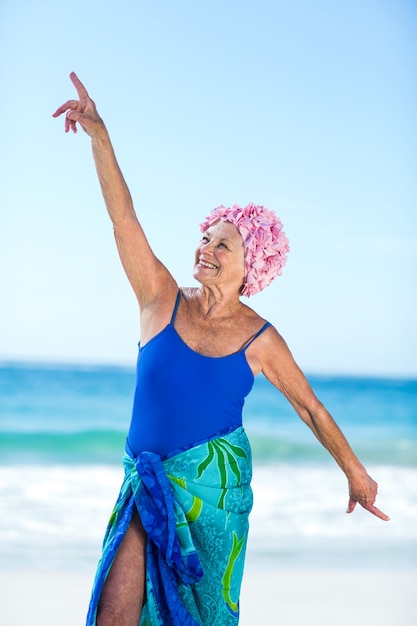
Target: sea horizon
{"type": "Point", "coordinates": [130, 364]}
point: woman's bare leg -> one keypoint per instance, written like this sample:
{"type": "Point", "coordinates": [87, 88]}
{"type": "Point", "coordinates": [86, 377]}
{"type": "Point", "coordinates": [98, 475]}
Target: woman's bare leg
{"type": "Point", "coordinates": [123, 592]}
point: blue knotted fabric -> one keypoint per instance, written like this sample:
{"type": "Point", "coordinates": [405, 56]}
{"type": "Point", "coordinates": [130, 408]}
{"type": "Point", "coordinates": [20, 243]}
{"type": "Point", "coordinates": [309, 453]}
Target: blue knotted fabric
{"type": "Point", "coordinates": [165, 562]}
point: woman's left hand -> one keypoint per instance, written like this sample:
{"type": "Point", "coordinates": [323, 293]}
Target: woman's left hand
{"type": "Point", "coordinates": [363, 490]}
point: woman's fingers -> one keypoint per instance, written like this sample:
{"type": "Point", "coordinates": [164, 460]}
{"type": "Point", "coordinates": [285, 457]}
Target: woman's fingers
{"type": "Point", "coordinates": [81, 90]}
{"type": "Point", "coordinates": [70, 124]}
{"type": "Point", "coordinates": [75, 105]}
{"type": "Point", "coordinates": [363, 490]}
{"type": "Point", "coordinates": [351, 505]}
{"type": "Point", "coordinates": [368, 506]}
{"type": "Point", "coordinates": [82, 111]}
{"type": "Point", "coordinates": [69, 104]}
{"type": "Point", "coordinates": [375, 511]}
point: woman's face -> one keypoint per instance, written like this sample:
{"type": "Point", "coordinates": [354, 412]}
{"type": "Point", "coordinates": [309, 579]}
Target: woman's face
{"type": "Point", "coordinates": [220, 256]}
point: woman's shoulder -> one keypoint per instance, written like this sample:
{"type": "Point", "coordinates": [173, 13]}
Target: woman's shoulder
{"type": "Point", "coordinates": [270, 337]}
{"type": "Point", "coordinates": [253, 315]}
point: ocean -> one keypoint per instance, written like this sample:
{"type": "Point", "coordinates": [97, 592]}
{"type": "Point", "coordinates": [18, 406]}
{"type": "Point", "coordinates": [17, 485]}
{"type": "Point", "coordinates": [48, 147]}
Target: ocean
{"type": "Point", "coordinates": [62, 433]}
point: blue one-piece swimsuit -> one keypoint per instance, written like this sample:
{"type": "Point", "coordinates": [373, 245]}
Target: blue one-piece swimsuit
{"type": "Point", "coordinates": [182, 397]}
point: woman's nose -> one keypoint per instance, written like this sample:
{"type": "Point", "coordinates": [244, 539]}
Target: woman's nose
{"type": "Point", "coordinates": [206, 246]}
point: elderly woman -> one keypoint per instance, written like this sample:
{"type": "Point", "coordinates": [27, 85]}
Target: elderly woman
{"type": "Point", "coordinates": [174, 549]}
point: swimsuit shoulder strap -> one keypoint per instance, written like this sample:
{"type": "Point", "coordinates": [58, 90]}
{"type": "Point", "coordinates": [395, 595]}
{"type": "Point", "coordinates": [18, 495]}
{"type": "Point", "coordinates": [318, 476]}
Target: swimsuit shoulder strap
{"type": "Point", "coordinates": [264, 327]}
{"type": "Point", "coordinates": [177, 301]}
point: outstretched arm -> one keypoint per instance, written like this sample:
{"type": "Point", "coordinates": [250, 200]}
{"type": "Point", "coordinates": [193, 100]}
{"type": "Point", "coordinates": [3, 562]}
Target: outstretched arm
{"type": "Point", "coordinates": [147, 275]}
{"type": "Point", "coordinates": [280, 369]}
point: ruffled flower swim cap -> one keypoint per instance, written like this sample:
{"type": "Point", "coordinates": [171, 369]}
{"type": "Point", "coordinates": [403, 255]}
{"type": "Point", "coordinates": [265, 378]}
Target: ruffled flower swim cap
{"type": "Point", "coordinates": [266, 245]}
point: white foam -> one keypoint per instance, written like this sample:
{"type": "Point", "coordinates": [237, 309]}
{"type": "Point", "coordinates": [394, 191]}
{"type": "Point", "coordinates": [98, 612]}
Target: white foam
{"type": "Point", "coordinates": [59, 514]}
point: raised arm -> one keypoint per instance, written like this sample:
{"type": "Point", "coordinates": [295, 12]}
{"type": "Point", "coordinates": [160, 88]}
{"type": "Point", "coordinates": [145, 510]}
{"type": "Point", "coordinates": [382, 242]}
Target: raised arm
{"type": "Point", "coordinates": [276, 361]}
{"type": "Point", "coordinates": [147, 275]}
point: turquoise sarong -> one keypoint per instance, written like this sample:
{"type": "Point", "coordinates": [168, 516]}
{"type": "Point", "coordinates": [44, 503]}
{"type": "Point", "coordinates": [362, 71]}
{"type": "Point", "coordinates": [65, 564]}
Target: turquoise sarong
{"type": "Point", "coordinates": [194, 507]}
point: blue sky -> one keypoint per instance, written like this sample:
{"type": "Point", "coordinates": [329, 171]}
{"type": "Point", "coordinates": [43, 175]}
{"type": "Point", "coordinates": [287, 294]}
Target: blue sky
{"type": "Point", "coordinates": [305, 107]}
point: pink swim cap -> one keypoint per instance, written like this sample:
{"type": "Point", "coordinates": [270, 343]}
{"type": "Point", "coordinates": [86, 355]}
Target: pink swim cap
{"type": "Point", "coordinates": [266, 245]}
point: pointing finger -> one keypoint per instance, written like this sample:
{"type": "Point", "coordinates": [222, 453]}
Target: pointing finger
{"type": "Point", "coordinates": [81, 90]}
{"type": "Point", "coordinates": [376, 511]}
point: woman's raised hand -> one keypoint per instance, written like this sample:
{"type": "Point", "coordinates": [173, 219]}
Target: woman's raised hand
{"type": "Point", "coordinates": [82, 111]}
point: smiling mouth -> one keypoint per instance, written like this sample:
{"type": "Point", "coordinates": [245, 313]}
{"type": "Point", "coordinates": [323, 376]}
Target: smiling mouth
{"type": "Point", "coordinates": [207, 264]}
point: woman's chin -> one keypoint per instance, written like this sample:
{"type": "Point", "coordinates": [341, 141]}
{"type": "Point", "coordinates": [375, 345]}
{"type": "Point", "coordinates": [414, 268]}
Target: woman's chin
{"type": "Point", "coordinates": [203, 276]}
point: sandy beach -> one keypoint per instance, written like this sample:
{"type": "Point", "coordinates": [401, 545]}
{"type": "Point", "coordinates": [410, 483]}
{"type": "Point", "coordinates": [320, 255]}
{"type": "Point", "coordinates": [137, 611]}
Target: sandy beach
{"type": "Point", "coordinates": [292, 598]}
